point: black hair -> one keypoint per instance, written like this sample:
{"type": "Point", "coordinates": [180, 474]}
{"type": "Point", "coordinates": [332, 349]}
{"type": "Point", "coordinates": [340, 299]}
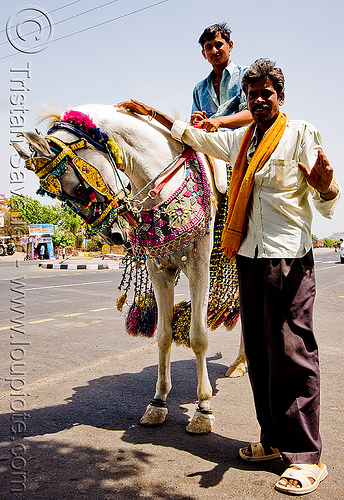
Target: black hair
{"type": "Point", "coordinates": [213, 30]}
{"type": "Point", "coordinates": [264, 68]}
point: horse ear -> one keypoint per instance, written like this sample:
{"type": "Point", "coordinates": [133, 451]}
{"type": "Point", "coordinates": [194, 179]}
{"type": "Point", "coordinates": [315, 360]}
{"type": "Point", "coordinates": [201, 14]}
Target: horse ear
{"type": "Point", "coordinates": [38, 143]}
{"type": "Point", "coordinates": [22, 152]}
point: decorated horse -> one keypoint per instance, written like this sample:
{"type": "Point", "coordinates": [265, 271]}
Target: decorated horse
{"type": "Point", "coordinates": [168, 218]}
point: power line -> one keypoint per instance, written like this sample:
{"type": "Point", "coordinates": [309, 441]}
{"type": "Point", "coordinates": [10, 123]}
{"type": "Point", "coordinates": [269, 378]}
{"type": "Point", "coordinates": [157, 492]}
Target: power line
{"type": "Point", "coordinates": [66, 19]}
{"type": "Point", "coordinates": [91, 27]}
{"type": "Point", "coordinates": [50, 12]}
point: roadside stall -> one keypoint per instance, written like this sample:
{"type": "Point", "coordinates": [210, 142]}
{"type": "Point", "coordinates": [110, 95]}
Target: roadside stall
{"type": "Point", "coordinates": [39, 243]}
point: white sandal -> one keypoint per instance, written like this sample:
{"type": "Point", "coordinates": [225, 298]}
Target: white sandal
{"type": "Point", "coordinates": [258, 453]}
{"type": "Point", "coordinates": [302, 473]}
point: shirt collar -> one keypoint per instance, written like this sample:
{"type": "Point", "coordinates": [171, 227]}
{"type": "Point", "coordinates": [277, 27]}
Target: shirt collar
{"type": "Point", "coordinates": [229, 69]}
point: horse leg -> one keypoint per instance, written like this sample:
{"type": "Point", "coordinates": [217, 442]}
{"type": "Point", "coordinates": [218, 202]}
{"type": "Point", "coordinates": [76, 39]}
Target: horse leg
{"type": "Point", "coordinates": [203, 419]}
{"type": "Point", "coordinates": [238, 368]}
{"type": "Point", "coordinates": [163, 284]}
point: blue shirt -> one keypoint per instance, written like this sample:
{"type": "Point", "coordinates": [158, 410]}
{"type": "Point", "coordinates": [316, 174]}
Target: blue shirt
{"type": "Point", "coordinates": [232, 97]}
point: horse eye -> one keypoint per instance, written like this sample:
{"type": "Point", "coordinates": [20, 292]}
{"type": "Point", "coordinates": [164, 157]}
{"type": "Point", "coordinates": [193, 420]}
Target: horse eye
{"type": "Point", "coordinates": [79, 190]}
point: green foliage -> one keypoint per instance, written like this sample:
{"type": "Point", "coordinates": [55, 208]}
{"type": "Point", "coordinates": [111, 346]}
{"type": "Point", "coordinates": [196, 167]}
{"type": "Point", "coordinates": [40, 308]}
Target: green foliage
{"type": "Point", "coordinates": [67, 226]}
{"type": "Point", "coordinates": [314, 238]}
{"type": "Point", "coordinates": [328, 243]}
{"type": "Point", "coordinates": [33, 212]}
{"type": "Point", "coordinates": [62, 238]}
{"type": "Point", "coordinates": [94, 244]}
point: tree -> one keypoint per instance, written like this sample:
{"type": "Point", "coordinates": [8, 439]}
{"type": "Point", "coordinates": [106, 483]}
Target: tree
{"type": "Point", "coordinates": [14, 225]}
{"type": "Point", "coordinates": [337, 236]}
{"type": "Point", "coordinates": [67, 226]}
{"type": "Point", "coordinates": [328, 243]}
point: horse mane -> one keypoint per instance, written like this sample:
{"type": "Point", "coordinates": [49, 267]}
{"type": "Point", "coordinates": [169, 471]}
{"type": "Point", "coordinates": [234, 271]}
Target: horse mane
{"type": "Point", "coordinates": [49, 113]}
{"type": "Point", "coordinates": [118, 123]}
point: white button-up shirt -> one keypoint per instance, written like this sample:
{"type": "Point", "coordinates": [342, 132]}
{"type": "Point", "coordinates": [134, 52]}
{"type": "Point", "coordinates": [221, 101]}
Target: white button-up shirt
{"type": "Point", "coordinates": [280, 216]}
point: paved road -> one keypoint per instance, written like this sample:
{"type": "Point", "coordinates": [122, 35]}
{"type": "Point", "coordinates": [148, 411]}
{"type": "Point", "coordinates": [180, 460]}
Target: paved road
{"type": "Point", "coordinates": [87, 383]}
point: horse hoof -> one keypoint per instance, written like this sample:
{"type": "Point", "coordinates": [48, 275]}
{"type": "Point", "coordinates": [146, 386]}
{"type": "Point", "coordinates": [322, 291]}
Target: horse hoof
{"type": "Point", "coordinates": [201, 424]}
{"type": "Point", "coordinates": [154, 416]}
{"type": "Point", "coordinates": [236, 371]}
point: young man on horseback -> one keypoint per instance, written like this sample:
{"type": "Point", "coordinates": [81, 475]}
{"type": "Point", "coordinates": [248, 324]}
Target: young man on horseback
{"type": "Point", "coordinates": [218, 100]}
{"type": "Point", "coordinates": [279, 163]}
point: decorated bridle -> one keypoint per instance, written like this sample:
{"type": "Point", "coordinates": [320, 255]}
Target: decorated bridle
{"type": "Point", "coordinates": [97, 215]}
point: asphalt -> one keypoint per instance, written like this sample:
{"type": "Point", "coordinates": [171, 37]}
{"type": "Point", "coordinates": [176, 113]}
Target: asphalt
{"type": "Point", "coordinates": [81, 261]}
{"type": "Point", "coordinates": [83, 440]}
{"type": "Point", "coordinates": [94, 262]}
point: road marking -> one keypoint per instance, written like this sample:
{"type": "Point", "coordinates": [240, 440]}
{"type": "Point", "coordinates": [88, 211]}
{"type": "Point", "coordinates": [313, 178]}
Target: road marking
{"type": "Point", "coordinates": [70, 284]}
{"type": "Point", "coordinates": [41, 320]}
{"type": "Point", "coordinates": [329, 267]}
{"type": "Point", "coordinates": [64, 315]}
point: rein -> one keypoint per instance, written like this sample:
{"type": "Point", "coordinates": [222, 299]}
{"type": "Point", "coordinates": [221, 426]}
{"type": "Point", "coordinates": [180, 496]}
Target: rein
{"type": "Point", "coordinates": [177, 161]}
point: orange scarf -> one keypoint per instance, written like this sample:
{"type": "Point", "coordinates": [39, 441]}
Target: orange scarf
{"type": "Point", "coordinates": [242, 182]}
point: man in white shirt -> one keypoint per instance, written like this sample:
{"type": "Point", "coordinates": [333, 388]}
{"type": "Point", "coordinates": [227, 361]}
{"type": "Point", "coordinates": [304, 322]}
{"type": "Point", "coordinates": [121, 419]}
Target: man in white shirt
{"type": "Point", "coordinates": [278, 165]}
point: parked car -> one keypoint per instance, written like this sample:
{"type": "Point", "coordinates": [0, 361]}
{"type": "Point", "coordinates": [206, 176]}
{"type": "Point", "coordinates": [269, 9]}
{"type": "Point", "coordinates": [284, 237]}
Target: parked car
{"type": "Point", "coordinates": [11, 248]}
{"type": "Point", "coordinates": [3, 248]}
{"type": "Point", "coordinates": [7, 247]}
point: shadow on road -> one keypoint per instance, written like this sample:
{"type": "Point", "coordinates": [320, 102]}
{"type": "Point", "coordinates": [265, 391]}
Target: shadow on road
{"type": "Point", "coordinates": [116, 403]}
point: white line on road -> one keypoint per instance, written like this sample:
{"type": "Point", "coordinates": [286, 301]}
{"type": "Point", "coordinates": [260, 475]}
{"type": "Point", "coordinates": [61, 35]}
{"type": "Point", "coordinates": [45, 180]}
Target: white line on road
{"type": "Point", "coordinates": [70, 284]}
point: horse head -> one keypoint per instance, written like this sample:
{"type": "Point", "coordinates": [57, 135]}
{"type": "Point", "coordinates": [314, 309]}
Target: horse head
{"type": "Point", "coordinates": [75, 163]}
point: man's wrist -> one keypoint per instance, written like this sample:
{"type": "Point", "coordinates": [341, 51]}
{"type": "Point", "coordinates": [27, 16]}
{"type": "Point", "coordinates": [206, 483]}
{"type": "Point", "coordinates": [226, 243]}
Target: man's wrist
{"type": "Point", "coordinates": [329, 194]}
{"type": "Point", "coordinates": [152, 114]}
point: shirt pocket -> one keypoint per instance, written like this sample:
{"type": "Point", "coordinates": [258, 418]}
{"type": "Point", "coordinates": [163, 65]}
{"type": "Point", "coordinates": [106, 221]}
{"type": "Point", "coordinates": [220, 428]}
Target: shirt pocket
{"type": "Point", "coordinates": [282, 175]}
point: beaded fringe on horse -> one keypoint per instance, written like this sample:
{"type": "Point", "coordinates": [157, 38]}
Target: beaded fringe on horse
{"type": "Point", "coordinates": [223, 305]}
{"type": "Point", "coordinates": [143, 314]}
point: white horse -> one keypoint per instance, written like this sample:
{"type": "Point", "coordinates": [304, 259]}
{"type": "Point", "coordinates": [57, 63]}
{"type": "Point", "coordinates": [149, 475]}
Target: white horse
{"type": "Point", "coordinates": [146, 149]}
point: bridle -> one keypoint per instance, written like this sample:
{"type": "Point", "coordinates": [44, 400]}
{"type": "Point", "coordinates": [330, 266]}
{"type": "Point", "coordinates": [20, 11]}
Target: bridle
{"type": "Point", "coordinates": [97, 215]}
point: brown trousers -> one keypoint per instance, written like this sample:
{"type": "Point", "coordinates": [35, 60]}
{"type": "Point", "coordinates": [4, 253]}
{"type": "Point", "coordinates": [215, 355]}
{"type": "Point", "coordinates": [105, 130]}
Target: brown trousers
{"type": "Point", "coordinates": [277, 297]}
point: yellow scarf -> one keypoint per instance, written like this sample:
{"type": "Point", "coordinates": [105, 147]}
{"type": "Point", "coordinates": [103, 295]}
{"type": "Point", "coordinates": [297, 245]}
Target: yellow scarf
{"type": "Point", "coordinates": [242, 181]}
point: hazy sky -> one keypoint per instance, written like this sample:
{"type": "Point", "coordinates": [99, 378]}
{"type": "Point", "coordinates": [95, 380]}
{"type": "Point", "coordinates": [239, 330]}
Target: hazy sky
{"type": "Point", "coordinates": [148, 50]}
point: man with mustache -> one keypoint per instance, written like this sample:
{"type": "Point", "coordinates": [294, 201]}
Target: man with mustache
{"type": "Point", "coordinates": [279, 164]}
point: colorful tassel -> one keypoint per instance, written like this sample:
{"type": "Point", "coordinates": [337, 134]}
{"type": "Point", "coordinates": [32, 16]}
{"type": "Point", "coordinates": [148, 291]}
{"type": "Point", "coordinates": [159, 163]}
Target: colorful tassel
{"type": "Point", "coordinates": [181, 323]}
{"type": "Point", "coordinates": [121, 301]}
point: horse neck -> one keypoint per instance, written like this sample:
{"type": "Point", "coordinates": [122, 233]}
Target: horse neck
{"type": "Point", "coordinates": [146, 147]}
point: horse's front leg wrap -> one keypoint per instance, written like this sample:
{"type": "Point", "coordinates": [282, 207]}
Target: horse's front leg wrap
{"type": "Point", "coordinates": [155, 413]}
{"type": "Point", "coordinates": [202, 422]}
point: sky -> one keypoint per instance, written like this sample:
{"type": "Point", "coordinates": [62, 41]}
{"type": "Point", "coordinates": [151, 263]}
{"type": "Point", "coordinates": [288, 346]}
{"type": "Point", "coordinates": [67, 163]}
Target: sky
{"type": "Point", "coordinates": [101, 51]}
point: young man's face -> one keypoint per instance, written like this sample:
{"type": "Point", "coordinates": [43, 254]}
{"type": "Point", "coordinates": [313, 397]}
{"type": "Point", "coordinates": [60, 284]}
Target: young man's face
{"type": "Point", "coordinates": [217, 51]}
{"type": "Point", "coordinates": [263, 102]}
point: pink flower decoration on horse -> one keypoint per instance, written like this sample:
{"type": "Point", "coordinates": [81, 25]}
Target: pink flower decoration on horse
{"type": "Point", "coordinates": [79, 119]}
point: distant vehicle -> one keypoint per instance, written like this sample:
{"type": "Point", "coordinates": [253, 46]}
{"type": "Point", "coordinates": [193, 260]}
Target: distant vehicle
{"type": "Point", "coordinates": [7, 246]}
{"type": "Point", "coordinates": [341, 252]}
